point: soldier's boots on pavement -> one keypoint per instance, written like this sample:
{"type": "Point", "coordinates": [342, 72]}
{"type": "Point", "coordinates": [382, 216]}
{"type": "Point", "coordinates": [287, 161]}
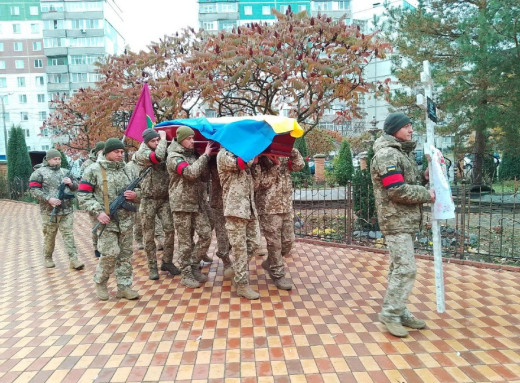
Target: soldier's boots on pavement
{"type": "Point", "coordinates": [75, 263]}
{"type": "Point", "coordinates": [171, 268]}
{"type": "Point", "coordinates": [101, 291]}
{"type": "Point", "coordinates": [244, 290]}
{"type": "Point", "coordinates": [282, 283]}
{"type": "Point", "coordinates": [413, 322]}
{"type": "Point", "coordinates": [153, 272]}
{"type": "Point", "coordinates": [188, 279]}
{"type": "Point", "coordinates": [228, 271]}
{"type": "Point", "coordinates": [127, 293]}
{"type": "Point", "coordinates": [48, 262]}
{"type": "Point", "coordinates": [397, 328]}
{"type": "Point", "coordinates": [199, 277]}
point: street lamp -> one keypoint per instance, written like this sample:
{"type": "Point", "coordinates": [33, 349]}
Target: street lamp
{"type": "Point", "coordinates": [3, 118]}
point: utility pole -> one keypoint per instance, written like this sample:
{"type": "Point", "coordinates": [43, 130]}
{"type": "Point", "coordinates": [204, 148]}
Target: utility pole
{"type": "Point", "coordinates": [430, 116]}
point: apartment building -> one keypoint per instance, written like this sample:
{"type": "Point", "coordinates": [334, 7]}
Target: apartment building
{"type": "Point", "coordinates": [23, 94]}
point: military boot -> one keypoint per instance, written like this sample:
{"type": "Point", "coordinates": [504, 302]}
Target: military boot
{"type": "Point", "coordinates": [75, 263]}
{"type": "Point", "coordinates": [171, 268]}
{"type": "Point", "coordinates": [228, 271]}
{"type": "Point", "coordinates": [195, 271]}
{"type": "Point", "coordinates": [48, 262]}
{"type": "Point", "coordinates": [101, 291]}
{"type": "Point", "coordinates": [127, 293]}
{"type": "Point", "coordinates": [413, 322]}
{"type": "Point", "coordinates": [283, 283]}
{"type": "Point", "coordinates": [266, 265]}
{"type": "Point", "coordinates": [244, 290]}
{"type": "Point", "coordinates": [206, 259]}
{"type": "Point", "coordinates": [394, 328]}
{"type": "Point", "coordinates": [152, 267]}
{"type": "Point", "coordinates": [188, 279]}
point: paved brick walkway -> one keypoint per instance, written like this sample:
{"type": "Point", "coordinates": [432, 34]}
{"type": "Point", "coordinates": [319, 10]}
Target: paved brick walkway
{"type": "Point", "coordinates": [54, 329]}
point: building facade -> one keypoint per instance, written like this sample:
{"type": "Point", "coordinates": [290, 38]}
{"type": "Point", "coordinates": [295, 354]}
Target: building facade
{"type": "Point", "coordinates": [48, 48]}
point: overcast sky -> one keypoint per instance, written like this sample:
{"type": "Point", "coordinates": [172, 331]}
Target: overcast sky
{"type": "Point", "coordinates": [149, 20]}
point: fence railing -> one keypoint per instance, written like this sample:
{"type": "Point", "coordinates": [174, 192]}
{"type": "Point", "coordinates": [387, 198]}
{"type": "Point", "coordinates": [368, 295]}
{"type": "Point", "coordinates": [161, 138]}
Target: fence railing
{"type": "Point", "coordinates": [484, 227]}
{"type": "Point", "coordinates": [17, 189]}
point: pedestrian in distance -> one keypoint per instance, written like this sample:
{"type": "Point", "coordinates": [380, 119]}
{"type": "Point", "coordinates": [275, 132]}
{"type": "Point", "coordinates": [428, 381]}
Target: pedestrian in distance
{"type": "Point", "coordinates": [399, 197]}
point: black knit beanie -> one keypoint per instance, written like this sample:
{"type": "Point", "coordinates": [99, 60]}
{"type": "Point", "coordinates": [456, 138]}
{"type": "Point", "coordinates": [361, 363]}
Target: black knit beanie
{"type": "Point", "coordinates": [394, 122]}
{"type": "Point", "coordinates": [149, 134]}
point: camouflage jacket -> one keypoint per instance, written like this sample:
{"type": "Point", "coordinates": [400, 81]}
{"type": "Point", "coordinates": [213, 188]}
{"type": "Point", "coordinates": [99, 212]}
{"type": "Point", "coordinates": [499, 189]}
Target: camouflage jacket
{"type": "Point", "coordinates": [44, 183]}
{"type": "Point", "coordinates": [238, 194]}
{"type": "Point", "coordinates": [155, 185]}
{"type": "Point", "coordinates": [398, 193]}
{"type": "Point", "coordinates": [91, 196]}
{"type": "Point", "coordinates": [215, 189]}
{"type": "Point", "coordinates": [188, 178]}
{"type": "Point", "coordinates": [273, 183]}
{"type": "Point", "coordinates": [133, 170]}
{"type": "Point", "coordinates": [89, 161]}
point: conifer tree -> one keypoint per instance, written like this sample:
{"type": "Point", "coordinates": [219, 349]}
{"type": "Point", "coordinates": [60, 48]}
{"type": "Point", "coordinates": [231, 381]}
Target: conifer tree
{"type": "Point", "coordinates": [343, 167]}
{"type": "Point", "coordinates": [19, 167]}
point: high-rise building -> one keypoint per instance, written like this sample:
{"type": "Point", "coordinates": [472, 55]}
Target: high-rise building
{"type": "Point", "coordinates": [23, 95]}
{"type": "Point", "coordinates": [48, 48]}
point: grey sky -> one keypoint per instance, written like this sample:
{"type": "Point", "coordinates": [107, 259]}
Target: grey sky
{"type": "Point", "coordinates": [149, 20]}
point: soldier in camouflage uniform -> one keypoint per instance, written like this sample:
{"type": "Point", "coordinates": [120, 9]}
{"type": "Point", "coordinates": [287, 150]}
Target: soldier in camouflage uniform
{"type": "Point", "coordinates": [188, 189]}
{"type": "Point", "coordinates": [217, 219]}
{"type": "Point", "coordinates": [241, 216]}
{"type": "Point", "coordinates": [115, 243]}
{"type": "Point", "coordinates": [399, 198]}
{"type": "Point", "coordinates": [44, 183]}
{"type": "Point", "coordinates": [92, 158]}
{"type": "Point", "coordinates": [273, 197]}
{"type": "Point", "coordinates": [154, 201]}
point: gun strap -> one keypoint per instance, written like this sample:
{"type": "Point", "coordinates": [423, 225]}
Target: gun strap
{"type": "Point", "coordinates": [105, 190]}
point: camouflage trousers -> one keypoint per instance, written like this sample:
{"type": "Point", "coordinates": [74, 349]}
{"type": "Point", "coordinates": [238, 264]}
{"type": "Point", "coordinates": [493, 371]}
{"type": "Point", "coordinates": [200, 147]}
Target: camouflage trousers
{"type": "Point", "coordinates": [186, 225]}
{"type": "Point", "coordinates": [149, 210]}
{"type": "Point", "coordinates": [401, 276]}
{"type": "Point", "coordinates": [65, 224]}
{"type": "Point", "coordinates": [94, 222]}
{"type": "Point", "coordinates": [272, 229]}
{"type": "Point", "coordinates": [245, 240]}
{"type": "Point", "coordinates": [223, 246]}
{"type": "Point", "coordinates": [138, 229]}
{"type": "Point", "coordinates": [116, 254]}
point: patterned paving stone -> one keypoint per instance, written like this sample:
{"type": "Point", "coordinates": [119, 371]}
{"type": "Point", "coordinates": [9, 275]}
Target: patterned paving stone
{"type": "Point", "coordinates": [54, 329]}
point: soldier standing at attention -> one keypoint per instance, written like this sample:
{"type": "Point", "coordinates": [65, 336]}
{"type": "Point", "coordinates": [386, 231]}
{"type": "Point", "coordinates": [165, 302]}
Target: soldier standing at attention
{"type": "Point", "coordinates": [188, 184]}
{"type": "Point", "coordinates": [92, 158]}
{"type": "Point", "coordinates": [44, 183]}
{"type": "Point", "coordinates": [154, 201]}
{"type": "Point", "coordinates": [273, 199]}
{"type": "Point", "coordinates": [241, 216]}
{"type": "Point", "coordinates": [399, 198]}
{"type": "Point", "coordinates": [102, 182]}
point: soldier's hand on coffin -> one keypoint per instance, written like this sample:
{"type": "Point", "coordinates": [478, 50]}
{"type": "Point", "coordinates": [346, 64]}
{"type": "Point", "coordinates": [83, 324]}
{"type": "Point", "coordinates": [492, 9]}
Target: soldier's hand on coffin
{"type": "Point", "coordinates": [103, 218]}
{"type": "Point", "coordinates": [210, 146]}
{"type": "Point", "coordinates": [427, 174]}
{"type": "Point", "coordinates": [162, 134]}
{"type": "Point", "coordinates": [274, 159]}
{"type": "Point", "coordinates": [130, 195]}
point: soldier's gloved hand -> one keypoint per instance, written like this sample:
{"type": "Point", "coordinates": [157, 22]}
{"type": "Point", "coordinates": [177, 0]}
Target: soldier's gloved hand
{"type": "Point", "coordinates": [130, 195]}
{"type": "Point", "coordinates": [103, 218]}
{"type": "Point", "coordinates": [54, 201]}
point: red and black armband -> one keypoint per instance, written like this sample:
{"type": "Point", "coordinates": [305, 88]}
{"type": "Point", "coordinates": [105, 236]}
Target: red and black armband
{"type": "Point", "coordinates": [35, 185]}
{"type": "Point", "coordinates": [179, 167]}
{"type": "Point", "coordinates": [154, 159]}
{"type": "Point", "coordinates": [241, 164]}
{"type": "Point", "coordinates": [85, 187]}
{"type": "Point", "coordinates": [392, 178]}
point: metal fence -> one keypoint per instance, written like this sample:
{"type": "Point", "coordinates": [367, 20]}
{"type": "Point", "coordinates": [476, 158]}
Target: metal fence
{"type": "Point", "coordinates": [483, 229]}
{"type": "Point", "coordinates": [16, 189]}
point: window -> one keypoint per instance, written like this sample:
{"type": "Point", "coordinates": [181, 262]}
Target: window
{"type": "Point", "coordinates": [3, 82]}
{"type": "Point", "coordinates": [38, 63]}
{"type": "Point", "coordinates": [40, 97]}
{"type": "Point", "coordinates": [27, 134]}
{"type": "Point", "coordinates": [284, 8]}
{"type": "Point", "coordinates": [52, 7]}
{"type": "Point", "coordinates": [22, 98]}
{"type": "Point", "coordinates": [54, 42]}
{"type": "Point", "coordinates": [33, 11]}
{"type": "Point", "coordinates": [53, 61]}
{"type": "Point", "coordinates": [56, 78]}
{"type": "Point", "coordinates": [35, 28]}
{"type": "Point", "coordinates": [52, 24]}
{"type": "Point", "coordinates": [17, 28]}
{"type": "Point", "coordinates": [37, 46]}
{"type": "Point", "coordinates": [1, 47]}
{"type": "Point", "coordinates": [21, 82]}
{"type": "Point", "coordinates": [40, 81]}
{"type": "Point", "coordinates": [80, 60]}
{"type": "Point", "coordinates": [15, 11]}
{"type": "Point", "coordinates": [266, 10]}
{"type": "Point", "coordinates": [5, 97]}
{"type": "Point", "coordinates": [24, 116]}
{"type": "Point", "coordinates": [208, 8]}
{"type": "Point", "coordinates": [7, 117]}
{"type": "Point", "coordinates": [19, 64]}
{"type": "Point", "coordinates": [2, 64]}
{"type": "Point", "coordinates": [78, 77]}
{"type": "Point", "coordinates": [248, 10]}
{"type": "Point", "coordinates": [45, 147]}
{"type": "Point", "coordinates": [18, 46]}
{"type": "Point", "coordinates": [42, 116]}
{"type": "Point", "coordinates": [209, 25]}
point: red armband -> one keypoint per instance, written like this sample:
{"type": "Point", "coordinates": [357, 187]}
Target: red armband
{"type": "Point", "coordinates": [85, 187]}
{"type": "Point", "coordinates": [240, 163]}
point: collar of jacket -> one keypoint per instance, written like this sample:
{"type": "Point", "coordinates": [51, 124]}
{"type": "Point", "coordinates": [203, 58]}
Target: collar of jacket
{"type": "Point", "coordinates": [388, 140]}
{"type": "Point", "coordinates": [178, 148]}
{"type": "Point", "coordinates": [112, 165]}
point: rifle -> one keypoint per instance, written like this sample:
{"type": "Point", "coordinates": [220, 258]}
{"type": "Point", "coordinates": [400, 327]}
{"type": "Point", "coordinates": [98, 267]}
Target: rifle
{"type": "Point", "coordinates": [120, 202]}
{"type": "Point", "coordinates": [62, 196]}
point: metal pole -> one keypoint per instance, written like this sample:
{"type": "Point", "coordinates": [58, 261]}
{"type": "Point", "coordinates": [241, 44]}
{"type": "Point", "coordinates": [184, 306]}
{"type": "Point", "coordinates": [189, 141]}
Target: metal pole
{"type": "Point", "coordinates": [5, 128]}
{"type": "Point", "coordinates": [436, 231]}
